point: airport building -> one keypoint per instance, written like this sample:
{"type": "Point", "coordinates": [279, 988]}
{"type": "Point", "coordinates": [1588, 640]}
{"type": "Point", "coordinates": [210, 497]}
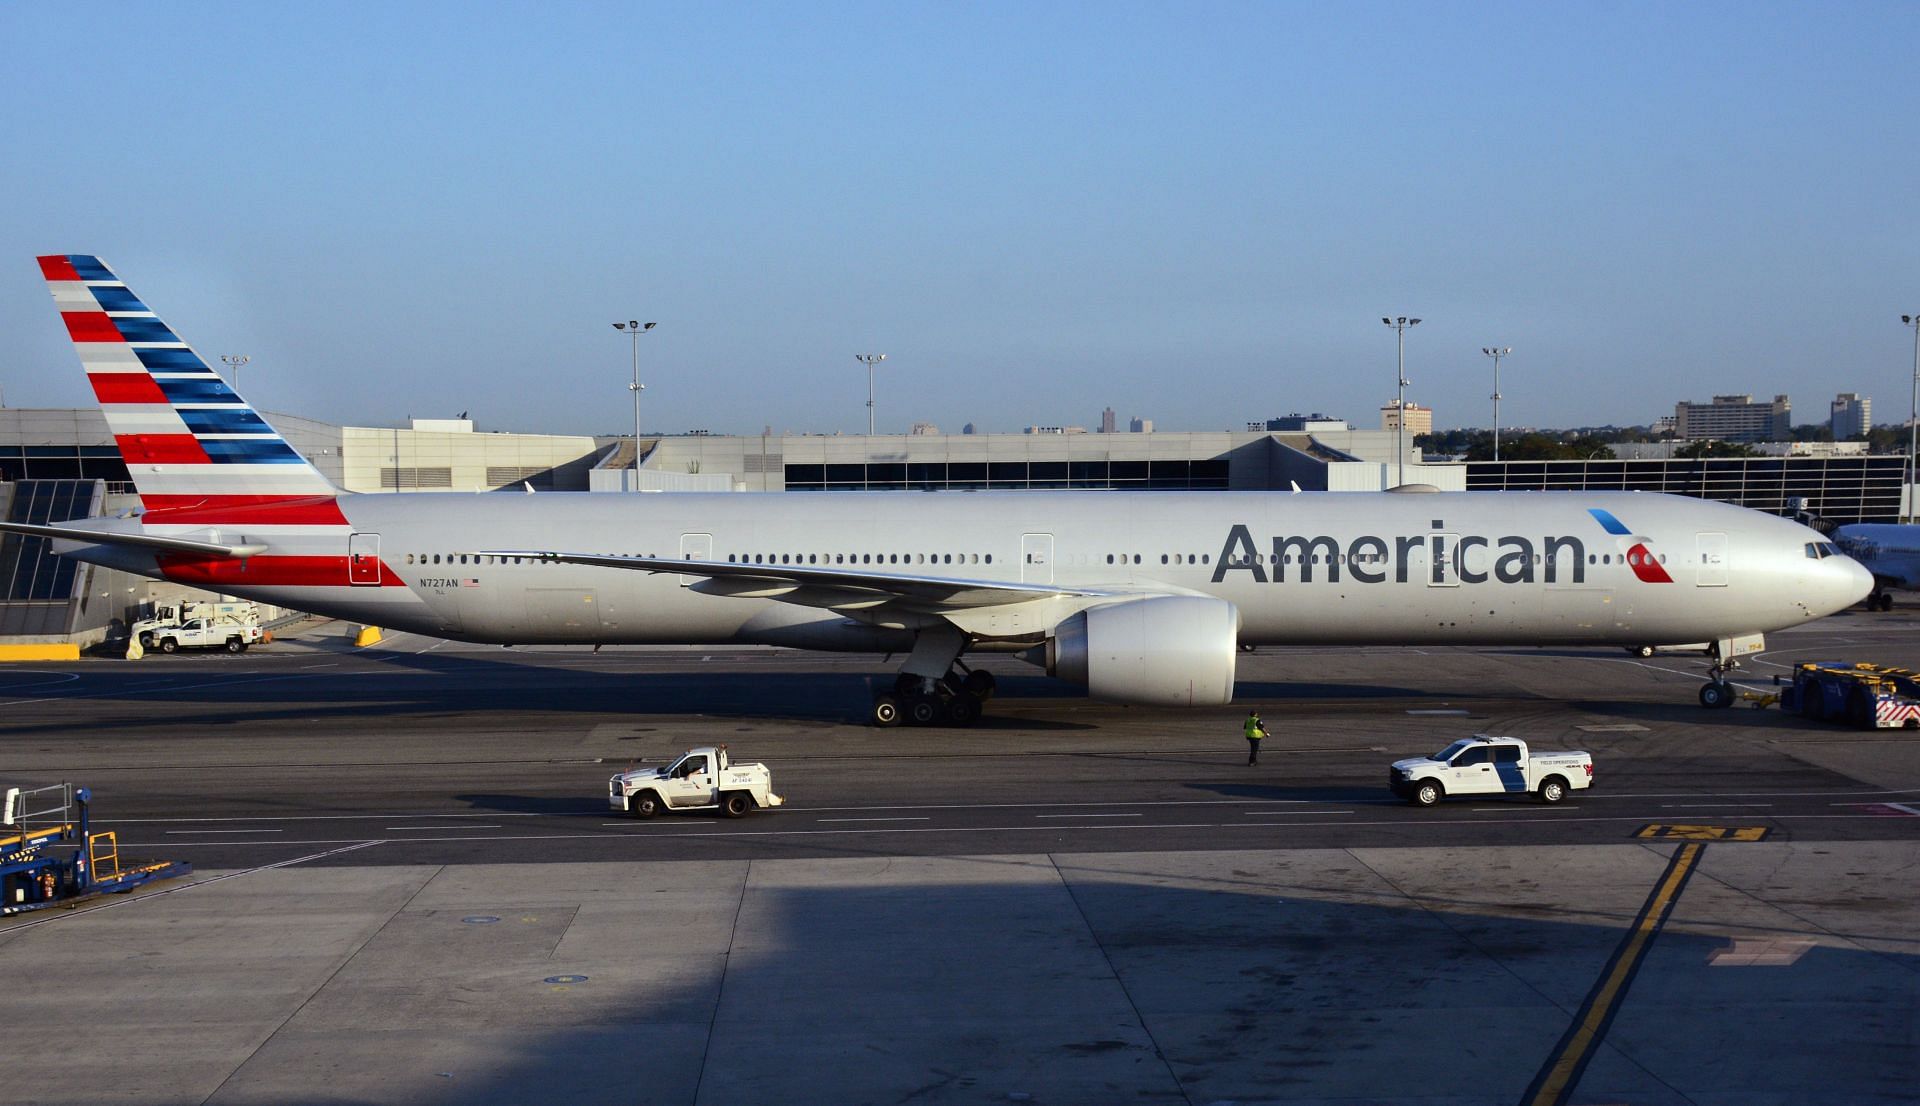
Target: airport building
{"type": "Point", "coordinates": [62, 464]}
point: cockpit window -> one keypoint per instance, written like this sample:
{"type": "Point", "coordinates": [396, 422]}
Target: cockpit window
{"type": "Point", "coordinates": [1820, 550]}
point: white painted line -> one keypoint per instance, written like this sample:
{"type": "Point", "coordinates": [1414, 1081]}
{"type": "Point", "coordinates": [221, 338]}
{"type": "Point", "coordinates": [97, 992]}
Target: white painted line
{"type": "Point", "coordinates": [1448, 713]}
{"type": "Point", "coordinates": [1292, 813]}
{"type": "Point", "coordinates": [230, 831]}
{"type": "Point", "coordinates": [1710, 806]}
{"type": "Point", "coordinates": [903, 819]}
{"type": "Point", "coordinates": [1089, 816]}
{"type": "Point", "coordinates": [437, 827]}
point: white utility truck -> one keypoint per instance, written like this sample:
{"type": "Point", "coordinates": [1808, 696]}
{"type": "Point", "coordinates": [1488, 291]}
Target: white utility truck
{"type": "Point", "coordinates": [200, 624]}
{"type": "Point", "coordinates": [1483, 765]}
{"type": "Point", "coordinates": [702, 779]}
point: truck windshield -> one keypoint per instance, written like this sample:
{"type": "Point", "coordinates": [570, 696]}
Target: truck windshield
{"type": "Point", "coordinates": [1448, 752]}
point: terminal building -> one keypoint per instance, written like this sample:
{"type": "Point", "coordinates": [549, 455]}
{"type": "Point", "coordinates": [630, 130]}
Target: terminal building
{"type": "Point", "coordinates": [62, 464]}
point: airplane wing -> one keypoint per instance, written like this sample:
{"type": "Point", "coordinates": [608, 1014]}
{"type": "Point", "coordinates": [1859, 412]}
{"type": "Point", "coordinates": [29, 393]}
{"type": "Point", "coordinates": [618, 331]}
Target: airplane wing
{"type": "Point", "coordinates": [822, 587]}
{"type": "Point", "coordinates": [145, 541]}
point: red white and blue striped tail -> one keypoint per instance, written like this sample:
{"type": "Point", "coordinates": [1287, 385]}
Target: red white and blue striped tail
{"type": "Point", "coordinates": [193, 447]}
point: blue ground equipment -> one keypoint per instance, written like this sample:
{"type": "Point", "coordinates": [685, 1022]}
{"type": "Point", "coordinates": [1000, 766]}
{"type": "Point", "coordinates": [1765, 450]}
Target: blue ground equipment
{"type": "Point", "coordinates": [53, 858]}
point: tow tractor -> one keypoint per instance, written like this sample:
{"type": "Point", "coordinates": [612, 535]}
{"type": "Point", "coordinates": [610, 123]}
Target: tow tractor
{"type": "Point", "coordinates": [1870, 696]}
{"type": "Point", "coordinates": [703, 778]}
{"type": "Point", "coordinates": [54, 859]}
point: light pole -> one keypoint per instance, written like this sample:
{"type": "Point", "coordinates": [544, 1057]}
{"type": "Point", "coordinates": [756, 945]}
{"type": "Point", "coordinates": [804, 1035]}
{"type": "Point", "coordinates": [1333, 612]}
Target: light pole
{"type": "Point", "coordinates": [234, 361]}
{"type": "Point", "coordinates": [636, 328]}
{"type": "Point", "coordinates": [1400, 325]}
{"type": "Point", "coordinates": [1496, 352]}
{"type": "Point", "coordinates": [870, 360]}
{"type": "Point", "coordinates": [1913, 428]}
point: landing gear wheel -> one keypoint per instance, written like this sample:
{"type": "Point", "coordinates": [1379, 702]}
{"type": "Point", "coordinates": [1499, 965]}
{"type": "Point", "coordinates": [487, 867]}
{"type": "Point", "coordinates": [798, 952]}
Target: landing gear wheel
{"type": "Point", "coordinates": [980, 684]}
{"type": "Point", "coordinates": [923, 710]}
{"type": "Point", "coordinates": [1552, 790]}
{"type": "Point", "coordinates": [963, 710]}
{"type": "Point", "coordinates": [735, 804]}
{"type": "Point", "coordinates": [1641, 650]}
{"type": "Point", "coordinates": [886, 711]}
{"type": "Point", "coordinates": [1716, 695]}
{"type": "Point", "coordinates": [1886, 601]}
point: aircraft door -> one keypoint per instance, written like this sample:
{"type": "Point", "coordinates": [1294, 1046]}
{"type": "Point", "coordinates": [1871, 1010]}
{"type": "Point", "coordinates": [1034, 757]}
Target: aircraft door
{"type": "Point", "coordinates": [1036, 558]}
{"type": "Point", "coordinates": [363, 560]}
{"type": "Point", "coordinates": [695, 547]}
{"type": "Point", "coordinates": [1443, 552]}
{"type": "Point", "coordinates": [1713, 560]}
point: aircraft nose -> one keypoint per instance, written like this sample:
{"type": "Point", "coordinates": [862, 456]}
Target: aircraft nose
{"type": "Point", "coordinates": [1851, 580]}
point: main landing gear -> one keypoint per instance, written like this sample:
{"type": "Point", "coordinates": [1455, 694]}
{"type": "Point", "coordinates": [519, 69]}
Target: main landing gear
{"type": "Point", "coordinates": [953, 700]}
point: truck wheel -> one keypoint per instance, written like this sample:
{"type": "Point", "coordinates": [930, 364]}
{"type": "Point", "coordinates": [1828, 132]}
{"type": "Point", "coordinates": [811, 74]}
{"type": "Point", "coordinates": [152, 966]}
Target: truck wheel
{"type": "Point", "coordinates": [146, 639]}
{"type": "Point", "coordinates": [1553, 789]}
{"type": "Point", "coordinates": [886, 711]}
{"type": "Point", "coordinates": [1428, 792]}
{"type": "Point", "coordinates": [235, 645]}
{"type": "Point", "coordinates": [735, 804]}
{"type": "Point", "coordinates": [644, 805]}
{"type": "Point", "coordinates": [168, 645]}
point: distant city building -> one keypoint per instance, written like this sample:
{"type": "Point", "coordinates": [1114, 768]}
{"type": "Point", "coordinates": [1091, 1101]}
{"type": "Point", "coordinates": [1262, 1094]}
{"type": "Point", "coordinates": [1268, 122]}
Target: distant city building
{"type": "Point", "coordinates": [923, 429]}
{"type": "Point", "coordinates": [968, 429]}
{"type": "Point", "coordinates": [1734, 419]}
{"type": "Point", "coordinates": [1108, 424]}
{"type": "Point", "coordinates": [1418, 419]}
{"type": "Point", "coordinates": [1297, 423]}
{"type": "Point", "coordinates": [1850, 417]}
{"type": "Point", "coordinates": [1056, 430]}
{"type": "Point", "coordinates": [1138, 425]}
{"type": "Point", "coordinates": [1663, 427]}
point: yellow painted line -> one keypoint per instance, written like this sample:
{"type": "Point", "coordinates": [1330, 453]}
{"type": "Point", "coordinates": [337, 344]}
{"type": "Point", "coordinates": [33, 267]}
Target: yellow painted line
{"type": "Point", "coordinates": [1704, 833]}
{"type": "Point", "coordinates": [1556, 1079]}
{"type": "Point", "coordinates": [66, 651]}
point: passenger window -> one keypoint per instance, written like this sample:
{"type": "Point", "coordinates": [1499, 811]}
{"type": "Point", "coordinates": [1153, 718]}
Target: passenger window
{"type": "Point", "coordinates": [1477, 755]}
{"type": "Point", "coordinates": [1506, 754]}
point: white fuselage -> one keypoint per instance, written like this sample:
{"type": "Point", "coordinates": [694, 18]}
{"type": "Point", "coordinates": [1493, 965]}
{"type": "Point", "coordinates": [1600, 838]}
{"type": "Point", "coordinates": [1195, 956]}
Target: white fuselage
{"type": "Point", "coordinates": [1301, 568]}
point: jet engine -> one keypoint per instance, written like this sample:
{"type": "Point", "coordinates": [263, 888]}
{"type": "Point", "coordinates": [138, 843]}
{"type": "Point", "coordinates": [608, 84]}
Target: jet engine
{"type": "Point", "coordinates": [1172, 650]}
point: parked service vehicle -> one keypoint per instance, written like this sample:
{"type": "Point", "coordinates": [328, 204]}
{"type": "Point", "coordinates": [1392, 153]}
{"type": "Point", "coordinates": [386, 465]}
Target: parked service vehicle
{"type": "Point", "coordinates": [1870, 696]}
{"type": "Point", "coordinates": [202, 633]}
{"type": "Point", "coordinates": [241, 618]}
{"type": "Point", "coordinates": [1483, 765]}
{"type": "Point", "coordinates": [702, 779]}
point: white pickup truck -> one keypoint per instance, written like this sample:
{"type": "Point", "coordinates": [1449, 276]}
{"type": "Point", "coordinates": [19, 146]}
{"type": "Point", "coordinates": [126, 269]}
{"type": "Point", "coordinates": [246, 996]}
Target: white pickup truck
{"type": "Point", "coordinates": [702, 779]}
{"type": "Point", "coordinates": [206, 633]}
{"type": "Point", "coordinates": [1483, 765]}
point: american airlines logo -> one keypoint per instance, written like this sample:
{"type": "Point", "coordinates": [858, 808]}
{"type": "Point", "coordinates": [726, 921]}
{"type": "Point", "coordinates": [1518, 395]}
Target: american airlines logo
{"type": "Point", "coordinates": [1465, 558]}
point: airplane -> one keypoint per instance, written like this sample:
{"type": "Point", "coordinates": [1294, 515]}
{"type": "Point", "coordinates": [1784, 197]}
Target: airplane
{"type": "Point", "coordinates": [1142, 597]}
{"type": "Point", "coordinates": [1890, 551]}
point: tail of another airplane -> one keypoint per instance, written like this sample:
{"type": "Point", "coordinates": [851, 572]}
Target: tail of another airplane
{"type": "Point", "coordinates": [197, 453]}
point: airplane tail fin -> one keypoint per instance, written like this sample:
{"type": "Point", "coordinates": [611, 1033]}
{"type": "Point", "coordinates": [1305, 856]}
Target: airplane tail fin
{"type": "Point", "coordinates": [194, 449]}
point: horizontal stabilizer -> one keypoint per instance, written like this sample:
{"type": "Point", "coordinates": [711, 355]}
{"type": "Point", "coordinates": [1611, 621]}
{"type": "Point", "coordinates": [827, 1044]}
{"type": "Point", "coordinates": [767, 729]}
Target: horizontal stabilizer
{"type": "Point", "coordinates": [145, 541]}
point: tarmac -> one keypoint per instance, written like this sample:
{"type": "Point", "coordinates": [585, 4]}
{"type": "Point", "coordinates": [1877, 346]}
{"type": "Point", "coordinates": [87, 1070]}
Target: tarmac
{"type": "Point", "coordinates": [1638, 953]}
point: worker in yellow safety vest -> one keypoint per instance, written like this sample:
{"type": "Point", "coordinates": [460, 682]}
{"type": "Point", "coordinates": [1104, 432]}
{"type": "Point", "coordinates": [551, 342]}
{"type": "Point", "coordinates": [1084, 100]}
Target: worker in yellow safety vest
{"type": "Point", "coordinates": [1254, 731]}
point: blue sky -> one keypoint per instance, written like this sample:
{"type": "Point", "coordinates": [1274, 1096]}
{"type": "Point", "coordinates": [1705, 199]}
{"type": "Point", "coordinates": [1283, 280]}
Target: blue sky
{"type": "Point", "coordinates": [1192, 212]}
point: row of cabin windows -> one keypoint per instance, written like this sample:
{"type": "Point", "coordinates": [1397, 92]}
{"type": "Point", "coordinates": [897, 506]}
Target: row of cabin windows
{"type": "Point", "coordinates": [860, 558]}
{"type": "Point", "coordinates": [987, 558]}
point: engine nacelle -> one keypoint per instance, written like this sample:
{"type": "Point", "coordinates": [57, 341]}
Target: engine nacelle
{"type": "Point", "coordinates": [1172, 650]}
